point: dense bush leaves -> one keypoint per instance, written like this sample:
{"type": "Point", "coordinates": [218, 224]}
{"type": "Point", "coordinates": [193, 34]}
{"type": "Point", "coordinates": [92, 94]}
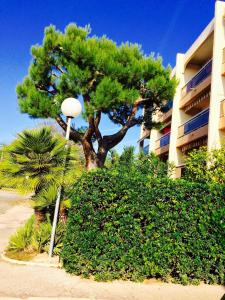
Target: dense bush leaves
{"type": "Point", "coordinates": [124, 224]}
{"type": "Point", "coordinates": [206, 166]}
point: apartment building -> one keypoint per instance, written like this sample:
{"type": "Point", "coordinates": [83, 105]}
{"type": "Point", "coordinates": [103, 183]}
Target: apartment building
{"type": "Point", "coordinates": [196, 115]}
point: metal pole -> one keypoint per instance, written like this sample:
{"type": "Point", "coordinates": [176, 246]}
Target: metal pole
{"type": "Point", "coordinates": [57, 204]}
{"type": "Point", "coordinates": [69, 119]}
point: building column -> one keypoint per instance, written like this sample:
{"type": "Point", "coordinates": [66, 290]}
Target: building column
{"type": "Point", "coordinates": [215, 137]}
{"type": "Point", "coordinates": [175, 155]}
{"type": "Point", "coordinates": [154, 136]}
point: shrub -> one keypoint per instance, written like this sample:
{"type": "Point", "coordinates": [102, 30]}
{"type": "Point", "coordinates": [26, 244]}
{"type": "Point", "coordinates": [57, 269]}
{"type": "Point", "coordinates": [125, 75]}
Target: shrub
{"type": "Point", "coordinates": [22, 238]}
{"type": "Point", "coordinates": [149, 165]}
{"type": "Point", "coordinates": [124, 224]}
{"type": "Point", "coordinates": [60, 232]}
{"type": "Point", "coordinates": [41, 236]}
{"type": "Point", "coordinates": [33, 238]}
{"type": "Point", "coordinates": [206, 167]}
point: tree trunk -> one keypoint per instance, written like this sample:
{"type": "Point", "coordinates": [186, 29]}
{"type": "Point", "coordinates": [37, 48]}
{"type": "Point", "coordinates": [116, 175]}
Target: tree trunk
{"type": "Point", "coordinates": [90, 155]}
{"type": "Point", "coordinates": [63, 214]}
{"type": "Point", "coordinates": [102, 154]}
{"type": "Point", "coordinates": [93, 160]}
{"type": "Point", "coordinates": [91, 163]}
{"type": "Point", "coordinates": [39, 216]}
{"type": "Point", "coordinates": [96, 160]}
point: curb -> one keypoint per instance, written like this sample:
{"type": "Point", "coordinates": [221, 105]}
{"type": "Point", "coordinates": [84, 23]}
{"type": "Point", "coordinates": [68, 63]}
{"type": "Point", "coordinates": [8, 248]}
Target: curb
{"type": "Point", "coordinates": [28, 263]}
{"type": "Point", "coordinates": [47, 298]}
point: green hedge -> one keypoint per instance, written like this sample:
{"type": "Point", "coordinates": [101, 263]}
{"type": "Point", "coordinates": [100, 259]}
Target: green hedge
{"type": "Point", "coordinates": [132, 226]}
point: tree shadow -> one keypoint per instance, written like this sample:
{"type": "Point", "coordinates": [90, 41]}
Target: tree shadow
{"type": "Point", "coordinates": [223, 298]}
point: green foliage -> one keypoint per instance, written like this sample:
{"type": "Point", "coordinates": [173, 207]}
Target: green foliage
{"type": "Point", "coordinates": [60, 232]}
{"type": "Point", "coordinates": [32, 238]}
{"type": "Point", "coordinates": [206, 166]}
{"type": "Point", "coordinates": [35, 159]}
{"type": "Point", "coordinates": [35, 162]}
{"type": "Point", "coordinates": [132, 222]}
{"type": "Point", "coordinates": [149, 165]}
{"type": "Point", "coordinates": [22, 238]}
{"type": "Point", "coordinates": [41, 235]}
{"type": "Point", "coordinates": [45, 198]}
{"type": "Point", "coordinates": [73, 63]}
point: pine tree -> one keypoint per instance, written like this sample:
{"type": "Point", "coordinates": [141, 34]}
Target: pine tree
{"type": "Point", "coordinates": [117, 81]}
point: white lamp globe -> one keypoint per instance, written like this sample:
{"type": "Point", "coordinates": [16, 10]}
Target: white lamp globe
{"type": "Point", "coordinates": [71, 107]}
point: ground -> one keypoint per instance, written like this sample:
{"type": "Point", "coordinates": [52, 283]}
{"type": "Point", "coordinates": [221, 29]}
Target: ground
{"type": "Point", "coordinates": [32, 281]}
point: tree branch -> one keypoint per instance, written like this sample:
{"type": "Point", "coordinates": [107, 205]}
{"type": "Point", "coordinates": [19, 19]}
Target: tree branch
{"type": "Point", "coordinates": [111, 141]}
{"type": "Point", "coordinates": [43, 89]}
{"type": "Point", "coordinates": [95, 75]}
{"type": "Point", "coordinates": [59, 69]}
{"type": "Point", "coordinates": [96, 124]}
{"type": "Point", "coordinates": [91, 129]}
{"type": "Point", "coordinates": [75, 135]}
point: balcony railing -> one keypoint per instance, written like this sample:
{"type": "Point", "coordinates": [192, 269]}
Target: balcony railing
{"type": "Point", "coordinates": [222, 108]}
{"type": "Point", "coordinates": [222, 115]}
{"type": "Point", "coordinates": [223, 63]}
{"type": "Point", "coordinates": [146, 149]}
{"type": "Point", "coordinates": [168, 106]}
{"type": "Point", "coordinates": [195, 123]}
{"type": "Point", "coordinates": [223, 56]}
{"type": "Point", "coordinates": [164, 140]}
{"type": "Point", "coordinates": [204, 72]}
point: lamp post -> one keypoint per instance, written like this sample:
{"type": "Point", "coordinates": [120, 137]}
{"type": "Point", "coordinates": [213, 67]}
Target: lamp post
{"type": "Point", "coordinates": [71, 108]}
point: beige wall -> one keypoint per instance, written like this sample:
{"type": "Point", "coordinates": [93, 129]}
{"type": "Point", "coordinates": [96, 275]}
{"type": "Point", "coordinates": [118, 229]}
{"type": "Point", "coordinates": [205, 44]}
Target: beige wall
{"type": "Point", "coordinates": [218, 81]}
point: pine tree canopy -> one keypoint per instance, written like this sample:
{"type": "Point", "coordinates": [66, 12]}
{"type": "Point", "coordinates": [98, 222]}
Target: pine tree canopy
{"type": "Point", "coordinates": [115, 80]}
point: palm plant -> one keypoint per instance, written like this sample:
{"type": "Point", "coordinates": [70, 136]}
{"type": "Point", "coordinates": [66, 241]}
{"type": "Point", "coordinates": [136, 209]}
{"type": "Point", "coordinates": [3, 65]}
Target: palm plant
{"type": "Point", "coordinates": [45, 200]}
{"type": "Point", "coordinates": [35, 162]}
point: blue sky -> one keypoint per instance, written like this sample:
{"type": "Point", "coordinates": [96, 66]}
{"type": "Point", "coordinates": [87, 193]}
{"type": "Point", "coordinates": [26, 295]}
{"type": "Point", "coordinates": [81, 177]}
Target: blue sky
{"type": "Point", "coordinates": [165, 27]}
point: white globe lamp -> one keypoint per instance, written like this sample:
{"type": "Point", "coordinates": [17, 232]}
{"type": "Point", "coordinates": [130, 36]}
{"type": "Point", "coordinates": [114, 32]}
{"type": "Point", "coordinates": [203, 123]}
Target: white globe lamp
{"type": "Point", "coordinates": [71, 107]}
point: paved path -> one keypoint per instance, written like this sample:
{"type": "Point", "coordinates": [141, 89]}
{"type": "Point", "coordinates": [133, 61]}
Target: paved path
{"type": "Point", "coordinates": [11, 215]}
{"type": "Point", "coordinates": [26, 281]}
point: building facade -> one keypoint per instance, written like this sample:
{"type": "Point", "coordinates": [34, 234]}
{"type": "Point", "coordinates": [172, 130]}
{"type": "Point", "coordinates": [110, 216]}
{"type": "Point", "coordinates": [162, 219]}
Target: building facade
{"type": "Point", "coordinates": [196, 115]}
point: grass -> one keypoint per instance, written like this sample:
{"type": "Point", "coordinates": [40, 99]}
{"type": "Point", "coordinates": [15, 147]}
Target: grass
{"type": "Point", "coordinates": [22, 255]}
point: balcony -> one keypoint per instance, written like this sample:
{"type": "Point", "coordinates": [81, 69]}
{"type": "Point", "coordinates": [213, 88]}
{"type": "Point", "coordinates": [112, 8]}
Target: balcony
{"type": "Point", "coordinates": [166, 112]}
{"type": "Point", "coordinates": [205, 71]}
{"type": "Point", "coordinates": [145, 135]}
{"type": "Point", "coordinates": [197, 85]}
{"type": "Point", "coordinates": [168, 106]}
{"type": "Point", "coordinates": [162, 144]}
{"type": "Point", "coordinates": [165, 140]}
{"type": "Point", "coordinates": [199, 104]}
{"type": "Point", "coordinates": [222, 115]}
{"type": "Point", "coordinates": [193, 129]}
{"type": "Point", "coordinates": [146, 149]}
{"type": "Point", "coordinates": [223, 63]}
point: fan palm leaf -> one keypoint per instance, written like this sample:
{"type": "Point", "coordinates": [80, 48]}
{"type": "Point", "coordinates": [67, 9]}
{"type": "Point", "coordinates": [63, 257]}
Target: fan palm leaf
{"type": "Point", "coordinates": [36, 159]}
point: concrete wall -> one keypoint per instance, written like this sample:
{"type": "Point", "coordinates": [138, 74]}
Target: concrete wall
{"type": "Point", "coordinates": [215, 137]}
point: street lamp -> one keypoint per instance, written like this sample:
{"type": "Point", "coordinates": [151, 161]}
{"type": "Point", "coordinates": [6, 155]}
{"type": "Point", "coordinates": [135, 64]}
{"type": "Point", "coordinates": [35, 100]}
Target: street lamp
{"type": "Point", "coordinates": [71, 108]}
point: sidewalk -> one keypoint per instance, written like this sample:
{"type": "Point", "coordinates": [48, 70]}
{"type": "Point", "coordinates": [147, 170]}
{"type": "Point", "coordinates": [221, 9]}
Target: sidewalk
{"type": "Point", "coordinates": [44, 298]}
{"type": "Point", "coordinates": [14, 217]}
